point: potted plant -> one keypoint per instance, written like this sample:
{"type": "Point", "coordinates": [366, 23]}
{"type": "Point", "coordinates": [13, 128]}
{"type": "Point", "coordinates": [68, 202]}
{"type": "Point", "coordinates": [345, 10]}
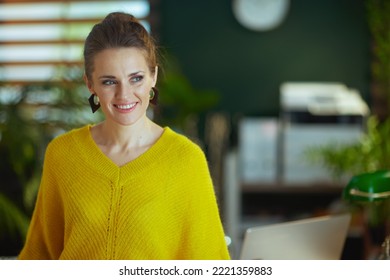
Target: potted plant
{"type": "Point", "coordinates": [378, 19]}
{"type": "Point", "coordinates": [30, 116]}
{"type": "Point", "coordinates": [180, 103]}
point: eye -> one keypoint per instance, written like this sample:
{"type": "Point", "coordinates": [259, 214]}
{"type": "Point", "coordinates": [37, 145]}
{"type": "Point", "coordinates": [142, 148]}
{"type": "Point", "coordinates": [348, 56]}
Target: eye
{"type": "Point", "coordinates": [108, 82]}
{"type": "Point", "coordinates": [136, 79]}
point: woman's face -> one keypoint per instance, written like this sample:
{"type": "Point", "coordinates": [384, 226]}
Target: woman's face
{"type": "Point", "coordinates": [122, 81]}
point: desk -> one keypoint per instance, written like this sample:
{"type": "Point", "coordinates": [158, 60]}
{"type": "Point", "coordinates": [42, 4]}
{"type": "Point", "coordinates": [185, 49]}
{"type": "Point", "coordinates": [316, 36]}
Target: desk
{"type": "Point", "coordinates": [246, 205]}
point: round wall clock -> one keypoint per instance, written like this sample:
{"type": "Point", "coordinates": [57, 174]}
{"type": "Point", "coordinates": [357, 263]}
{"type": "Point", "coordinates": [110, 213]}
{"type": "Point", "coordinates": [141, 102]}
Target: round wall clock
{"type": "Point", "coordinates": [260, 15]}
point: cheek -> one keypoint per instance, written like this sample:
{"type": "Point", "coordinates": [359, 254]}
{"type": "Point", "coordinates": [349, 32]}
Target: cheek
{"type": "Point", "coordinates": [101, 94]}
{"type": "Point", "coordinates": [143, 91]}
{"type": "Point", "coordinates": [99, 89]}
{"type": "Point", "coordinates": [104, 101]}
{"type": "Point", "coordinates": [104, 94]}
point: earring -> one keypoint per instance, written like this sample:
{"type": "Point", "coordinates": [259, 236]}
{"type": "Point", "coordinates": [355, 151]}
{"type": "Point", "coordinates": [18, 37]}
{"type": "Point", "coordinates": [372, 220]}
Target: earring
{"type": "Point", "coordinates": [153, 96]}
{"type": "Point", "coordinates": [94, 102]}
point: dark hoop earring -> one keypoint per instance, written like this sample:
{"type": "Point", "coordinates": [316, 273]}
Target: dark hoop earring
{"type": "Point", "coordinates": [94, 102]}
{"type": "Point", "coordinates": [153, 96]}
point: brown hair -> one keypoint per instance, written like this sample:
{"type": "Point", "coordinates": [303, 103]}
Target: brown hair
{"type": "Point", "coordinates": [115, 31]}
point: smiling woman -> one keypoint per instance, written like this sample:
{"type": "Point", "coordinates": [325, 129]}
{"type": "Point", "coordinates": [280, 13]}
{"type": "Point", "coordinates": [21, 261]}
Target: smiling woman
{"type": "Point", "coordinates": [125, 188]}
{"type": "Point", "coordinates": [42, 92]}
{"type": "Point", "coordinates": [122, 81]}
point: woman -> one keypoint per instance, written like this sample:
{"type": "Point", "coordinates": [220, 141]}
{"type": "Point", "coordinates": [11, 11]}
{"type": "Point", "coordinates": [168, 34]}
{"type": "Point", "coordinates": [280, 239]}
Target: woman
{"type": "Point", "coordinates": [125, 188]}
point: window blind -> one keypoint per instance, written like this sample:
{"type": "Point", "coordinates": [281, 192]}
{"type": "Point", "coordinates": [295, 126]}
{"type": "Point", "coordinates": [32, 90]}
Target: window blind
{"type": "Point", "coordinates": [39, 39]}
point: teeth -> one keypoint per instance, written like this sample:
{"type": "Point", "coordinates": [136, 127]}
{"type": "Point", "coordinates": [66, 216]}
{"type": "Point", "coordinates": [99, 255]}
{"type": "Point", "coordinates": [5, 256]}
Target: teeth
{"type": "Point", "coordinates": [125, 107]}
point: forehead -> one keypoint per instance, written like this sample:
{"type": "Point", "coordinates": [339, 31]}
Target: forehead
{"type": "Point", "coordinates": [120, 57]}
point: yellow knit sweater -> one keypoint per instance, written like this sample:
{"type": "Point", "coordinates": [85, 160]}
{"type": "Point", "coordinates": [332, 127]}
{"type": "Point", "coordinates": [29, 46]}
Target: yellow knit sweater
{"type": "Point", "coordinates": [159, 206]}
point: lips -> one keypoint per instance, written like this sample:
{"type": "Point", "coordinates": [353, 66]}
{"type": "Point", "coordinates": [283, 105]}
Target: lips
{"type": "Point", "coordinates": [125, 106]}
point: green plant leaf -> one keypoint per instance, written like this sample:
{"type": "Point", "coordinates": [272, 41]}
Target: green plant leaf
{"type": "Point", "coordinates": [12, 219]}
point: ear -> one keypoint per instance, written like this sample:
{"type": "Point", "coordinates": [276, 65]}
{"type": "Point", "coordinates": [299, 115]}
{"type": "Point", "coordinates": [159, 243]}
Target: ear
{"type": "Point", "coordinates": [155, 76]}
{"type": "Point", "coordinates": [88, 83]}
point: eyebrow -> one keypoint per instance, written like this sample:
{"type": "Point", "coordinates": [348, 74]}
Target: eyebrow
{"type": "Point", "coordinates": [107, 77]}
{"type": "Point", "coordinates": [113, 77]}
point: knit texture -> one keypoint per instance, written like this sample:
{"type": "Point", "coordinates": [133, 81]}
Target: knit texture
{"type": "Point", "coordinates": [159, 206]}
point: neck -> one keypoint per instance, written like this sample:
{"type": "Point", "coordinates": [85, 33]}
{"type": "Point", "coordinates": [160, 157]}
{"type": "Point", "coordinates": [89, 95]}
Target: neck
{"type": "Point", "coordinates": [125, 137]}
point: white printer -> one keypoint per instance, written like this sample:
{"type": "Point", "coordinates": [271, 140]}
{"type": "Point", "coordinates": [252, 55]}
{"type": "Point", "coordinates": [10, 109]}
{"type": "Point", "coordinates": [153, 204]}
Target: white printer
{"type": "Point", "coordinates": [314, 114]}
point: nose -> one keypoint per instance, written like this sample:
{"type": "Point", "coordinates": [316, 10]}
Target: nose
{"type": "Point", "coordinates": [124, 91]}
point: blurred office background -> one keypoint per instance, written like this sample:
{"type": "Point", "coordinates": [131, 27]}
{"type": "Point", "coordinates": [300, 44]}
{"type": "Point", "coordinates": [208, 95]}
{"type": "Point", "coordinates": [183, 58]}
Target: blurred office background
{"type": "Point", "coordinates": [222, 83]}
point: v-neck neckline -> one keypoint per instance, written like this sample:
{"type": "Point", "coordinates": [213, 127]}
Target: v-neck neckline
{"type": "Point", "coordinates": [106, 166]}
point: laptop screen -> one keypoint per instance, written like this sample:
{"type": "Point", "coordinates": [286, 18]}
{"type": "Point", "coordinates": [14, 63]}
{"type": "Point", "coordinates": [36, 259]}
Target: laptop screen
{"type": "Point", "coordinates": [319, 238]}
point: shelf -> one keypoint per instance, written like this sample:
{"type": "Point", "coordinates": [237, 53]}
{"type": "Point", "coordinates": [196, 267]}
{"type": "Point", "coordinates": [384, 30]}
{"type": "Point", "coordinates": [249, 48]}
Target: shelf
{"type": "Point", "coordinates": [287, 200]}
{"type": "Point", "coordinates": [307, 189]}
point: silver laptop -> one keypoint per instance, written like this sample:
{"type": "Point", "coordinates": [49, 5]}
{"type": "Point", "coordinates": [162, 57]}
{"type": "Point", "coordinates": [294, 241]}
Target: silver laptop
{"type": "Point", "coordinates": [319, 238]}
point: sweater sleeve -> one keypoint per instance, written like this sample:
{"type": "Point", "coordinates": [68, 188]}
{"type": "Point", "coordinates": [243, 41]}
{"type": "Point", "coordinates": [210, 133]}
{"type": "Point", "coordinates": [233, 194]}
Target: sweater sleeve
{"type": "Point", "coordinates": [204, 234]}
{"type": "Point", "coordinates": [45, 235]}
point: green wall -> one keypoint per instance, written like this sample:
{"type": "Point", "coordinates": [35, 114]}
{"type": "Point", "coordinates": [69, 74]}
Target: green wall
{"type": "Point", "coordinates": [320, 40]}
